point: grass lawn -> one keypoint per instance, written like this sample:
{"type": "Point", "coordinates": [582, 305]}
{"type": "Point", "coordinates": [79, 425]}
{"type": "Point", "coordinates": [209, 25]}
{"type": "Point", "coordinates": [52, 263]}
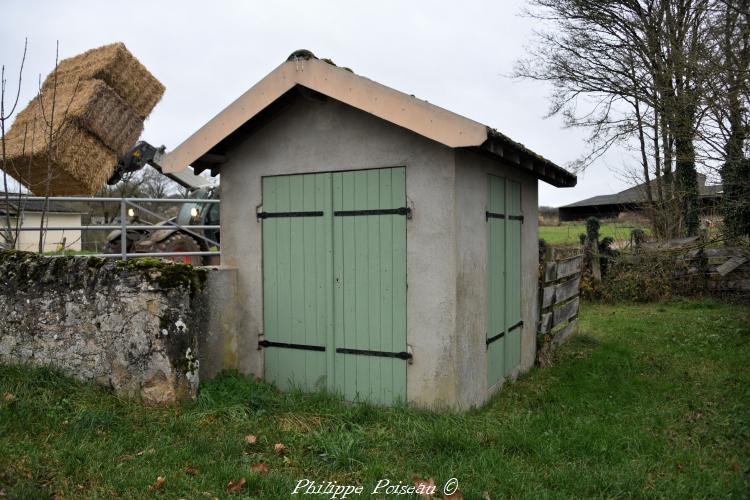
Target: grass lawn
{"type": "Point", "coordinates": [647, 401]}
{"type": "Point", "coordinates": [567, 232]}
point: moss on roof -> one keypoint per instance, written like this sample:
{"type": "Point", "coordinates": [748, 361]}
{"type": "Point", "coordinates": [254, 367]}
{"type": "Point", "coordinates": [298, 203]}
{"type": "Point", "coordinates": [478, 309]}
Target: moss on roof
{"type": "Point", "coordinates": [307, 55]}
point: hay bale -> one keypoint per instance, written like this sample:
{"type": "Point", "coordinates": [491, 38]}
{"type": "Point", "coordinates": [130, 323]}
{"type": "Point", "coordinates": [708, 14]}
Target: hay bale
{"type": "Point", "coordinates": [77, 163]}
{"type": "Point", "coordinates": [92, 105]}
{"type": "Point", "coordinates": [119, 69]}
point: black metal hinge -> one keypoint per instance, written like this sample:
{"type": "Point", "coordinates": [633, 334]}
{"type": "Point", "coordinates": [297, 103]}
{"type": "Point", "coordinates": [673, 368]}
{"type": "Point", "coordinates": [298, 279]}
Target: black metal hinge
{"type": "Point", "coordinates": [304, 347]}
{"type": "Point", "coordinates": [495, 337]}
{"type": "Point", "coordinates": [502, 334]}
{"type": "Point", "coordinates": [383, 354]}
{"type": "Point", "coordinates": [386, 211]}
{"type": "Point", "coordinates": [274, 215]}
{"type": "Point", "coordinates": [493, 215]}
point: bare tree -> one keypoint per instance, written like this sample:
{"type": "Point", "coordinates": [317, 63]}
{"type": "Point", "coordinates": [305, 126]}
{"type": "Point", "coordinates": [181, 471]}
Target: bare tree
{"type": "Point", "coordinates": [10, 229]}
{"type": "Point", "coordinates": [56, 129]}
{"type": "Point", "coordinates": [728, 127]}
{"type": "Point", "coordinates": [631, 72]}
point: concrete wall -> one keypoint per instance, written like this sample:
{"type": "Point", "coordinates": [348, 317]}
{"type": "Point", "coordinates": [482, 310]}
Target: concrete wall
{"type": "Point", "coordinates": [472, 169]}
{"type": "Point", "coordinates": [219, 310]}
{"type": "Point", "coordinates": [29, 240]}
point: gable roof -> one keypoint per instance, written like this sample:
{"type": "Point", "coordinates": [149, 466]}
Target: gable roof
{"type": "Point", "coordinates": [421, 117]}
{"type": "Point", "coordinates": [637, 194]}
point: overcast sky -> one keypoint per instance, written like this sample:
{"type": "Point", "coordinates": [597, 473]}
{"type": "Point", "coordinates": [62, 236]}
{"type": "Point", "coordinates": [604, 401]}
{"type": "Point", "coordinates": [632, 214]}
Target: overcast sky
{"type": "Point", "coordinates": [457, 55]}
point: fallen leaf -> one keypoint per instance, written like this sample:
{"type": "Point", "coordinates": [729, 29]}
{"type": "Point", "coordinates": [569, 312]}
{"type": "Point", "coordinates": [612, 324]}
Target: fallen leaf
{"type": "Point", "coordinates": [251, 439]}
{"type": "Point", "coordinates": [259, 468]}
{"type": "Point", "coordinates": [126, 458]}
{"type": "Point", "coordinates": [235, 486]}
{"type": "Point", "coordinates": [2, 492]}
{"type": "Point", "coordinates": [486, 495]}
{"type": "Point", "coordinates": [160, 480]}
{"type": "Point", "coordinates": [736, 467]}
{"type": "Point", "coordinates": [455, 496]}
{"type": "Point", "coordinates": [279, 448]}
{"type": "Point", "coordinates": [426, 484]}
{"type": "Point", "coordinates": [9, 396]}
{"type": "Point", "coordinates": [191, 470]}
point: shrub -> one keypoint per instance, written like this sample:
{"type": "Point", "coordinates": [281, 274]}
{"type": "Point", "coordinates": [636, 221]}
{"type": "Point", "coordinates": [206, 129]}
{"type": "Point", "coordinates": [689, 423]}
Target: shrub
{"type": "Point", "coordinates": [646, 278]}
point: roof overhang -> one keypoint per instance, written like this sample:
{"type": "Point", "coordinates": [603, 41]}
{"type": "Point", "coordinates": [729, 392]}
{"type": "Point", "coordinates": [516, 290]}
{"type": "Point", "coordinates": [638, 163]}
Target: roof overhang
{"type": "Point", "coordinates": [421, 117]}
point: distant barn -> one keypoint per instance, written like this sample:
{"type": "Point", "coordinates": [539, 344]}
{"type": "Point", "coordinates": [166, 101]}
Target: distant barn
{"type": "Point", "coordinates": [633, 199]}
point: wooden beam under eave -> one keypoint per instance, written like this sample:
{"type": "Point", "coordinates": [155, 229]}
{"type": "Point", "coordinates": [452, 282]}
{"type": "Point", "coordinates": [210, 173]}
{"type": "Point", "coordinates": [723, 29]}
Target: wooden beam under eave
{"type": "Point", "coordinates": [212, 158]}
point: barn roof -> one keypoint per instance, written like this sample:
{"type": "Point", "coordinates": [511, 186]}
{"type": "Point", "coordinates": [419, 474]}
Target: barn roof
{"type": "Point", "coordinates": [637, 194]}
{"type": "Point", "coordinates": [303, 69]}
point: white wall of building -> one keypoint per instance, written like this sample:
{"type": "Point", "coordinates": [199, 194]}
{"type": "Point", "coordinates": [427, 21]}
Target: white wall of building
{"type": "Point", "coordinates": [29, 240]}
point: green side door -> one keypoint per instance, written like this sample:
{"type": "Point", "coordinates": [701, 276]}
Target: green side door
{"type": "Point", "coordinates": [504, 221]}
{"type": "Point", "coordinates": [334, 282]}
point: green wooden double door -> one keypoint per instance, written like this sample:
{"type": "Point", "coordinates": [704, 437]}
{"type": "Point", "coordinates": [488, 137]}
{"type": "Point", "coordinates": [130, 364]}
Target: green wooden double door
{"type": "Point", "coordinates": [334, 282]}
{"type": "Point", "coordinates": [504, 323]}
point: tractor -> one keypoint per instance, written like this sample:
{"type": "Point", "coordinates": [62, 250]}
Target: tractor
{"type": "Point", "coordinates": [170, 239]}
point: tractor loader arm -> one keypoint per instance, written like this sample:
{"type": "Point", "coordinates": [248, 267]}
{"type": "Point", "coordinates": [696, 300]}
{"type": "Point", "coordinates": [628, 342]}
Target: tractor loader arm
{"type": "Point", "coordinates": [144, 153]}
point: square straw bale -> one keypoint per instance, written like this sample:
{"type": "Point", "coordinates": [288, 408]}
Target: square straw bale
{"type": "Point", "coordinates": [119, 69]}
{"type": "Point", "coordinates": [93, 106]}
{"type": "Point", "coordinates": [78, 163]}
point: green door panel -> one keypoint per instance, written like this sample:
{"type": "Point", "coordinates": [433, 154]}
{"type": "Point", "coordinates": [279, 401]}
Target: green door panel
{"type": "Point", "coordinates": [296, 279]}
{"type": "Point", "coordinates": [336, 282]}
{"type": "Point", "coordinates": [512, 275]}
{"type": "Point", "coordinates": [370, 284]}
{"type": "Point", "coordinates": [496, 280]}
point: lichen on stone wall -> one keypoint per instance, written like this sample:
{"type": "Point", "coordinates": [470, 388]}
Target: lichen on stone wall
{"type": "Point", "coordinates": [130, 325]}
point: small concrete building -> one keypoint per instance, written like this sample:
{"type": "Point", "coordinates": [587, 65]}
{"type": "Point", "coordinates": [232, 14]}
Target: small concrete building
{"type": "Point", "coordinates": [385, 248]}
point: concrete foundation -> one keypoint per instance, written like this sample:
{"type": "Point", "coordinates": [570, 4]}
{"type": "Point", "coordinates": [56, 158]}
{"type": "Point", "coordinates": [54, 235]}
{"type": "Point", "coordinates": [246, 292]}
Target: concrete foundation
{"type": "Point", "coordinates": [217, 347]}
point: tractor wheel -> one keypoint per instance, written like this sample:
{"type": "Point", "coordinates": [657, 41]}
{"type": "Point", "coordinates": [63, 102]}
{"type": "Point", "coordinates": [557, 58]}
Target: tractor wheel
{"type": "Point", "coordinates": [179, 242]}
{"type": "Point", "coordinates": [113, 246]}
